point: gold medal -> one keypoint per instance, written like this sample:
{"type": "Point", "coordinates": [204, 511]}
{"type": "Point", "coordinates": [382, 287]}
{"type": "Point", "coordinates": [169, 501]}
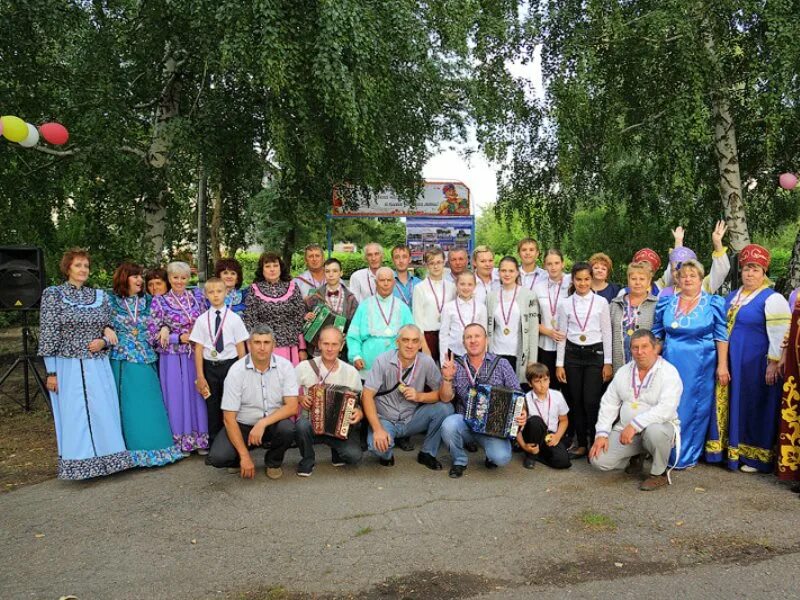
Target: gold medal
{"type": "Point", "coordinates": [388, 331]}
{"type": "Point", "coordinates": [629, 332]}
{"type": "Point", "coordinates": [402, 387]}
{"type": "Point", "coordinates": [674, 324]}
{"type": "Point", "coordinates": [548, 437]}
{"type": "Point", "coordinates": [582, 338]}
{"type": "Point", "coordinates": [634, 405]}
{"type": "Point", "coordinates": [553, 323]}
{"type": "Point", "coordinates": [213, 354]}
{"type": "Point", "coordinates": [506, 331]}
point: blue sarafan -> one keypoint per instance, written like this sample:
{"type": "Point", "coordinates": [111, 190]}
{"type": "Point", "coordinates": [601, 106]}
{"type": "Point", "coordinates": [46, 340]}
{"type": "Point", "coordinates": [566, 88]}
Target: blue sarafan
{"type": "Point", "coordinates": [492, 410]}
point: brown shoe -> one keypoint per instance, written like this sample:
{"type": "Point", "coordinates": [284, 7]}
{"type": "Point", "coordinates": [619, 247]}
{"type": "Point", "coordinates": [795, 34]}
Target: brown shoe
{"type": "Point", "coordinates": [635, 465]}
{"type": "Point", "coordinates": [274, 472]}
{"type": "Point", "coordinates": [653, 483]}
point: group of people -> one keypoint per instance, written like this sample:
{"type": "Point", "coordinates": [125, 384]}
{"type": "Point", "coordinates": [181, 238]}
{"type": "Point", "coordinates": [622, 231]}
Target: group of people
{"type": "Point", "coordinates": [657, 369]}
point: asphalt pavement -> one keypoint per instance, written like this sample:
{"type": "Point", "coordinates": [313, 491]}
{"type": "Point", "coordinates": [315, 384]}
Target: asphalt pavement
{"type": "Point", "coordinates": [192, 531]}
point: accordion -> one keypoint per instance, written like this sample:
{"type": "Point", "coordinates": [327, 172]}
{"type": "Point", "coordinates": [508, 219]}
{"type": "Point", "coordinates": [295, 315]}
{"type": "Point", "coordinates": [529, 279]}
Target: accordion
{"type": "Point", "coordinates": [322, 316]}
{"type": "Point", "coordinates": [331, 409]}
{"type": "Point", "coordinates": [492, 410]}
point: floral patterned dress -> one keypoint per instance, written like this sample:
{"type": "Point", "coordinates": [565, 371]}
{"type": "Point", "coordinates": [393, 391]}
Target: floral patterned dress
{"type": "Point", "coordinates": [85, 405]}
{"type": "Point", "coordinates": [186, 409]}
{"type": "Point", "coordinates": [145, 426]}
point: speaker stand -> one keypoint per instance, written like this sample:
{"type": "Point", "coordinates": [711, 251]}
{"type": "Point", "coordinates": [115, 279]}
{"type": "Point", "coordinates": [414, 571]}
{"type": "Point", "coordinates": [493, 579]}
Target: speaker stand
{"type": "Point", "coordinates": [28, 365]}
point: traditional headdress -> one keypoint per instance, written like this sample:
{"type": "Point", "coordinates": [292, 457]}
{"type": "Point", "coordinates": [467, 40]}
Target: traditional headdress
{"type": "Point", "coordinates": [755, 254]}
{"type": "Point", "coordinates": [680, 255]}
{"type": "Point", "coordinates": [649, 256]}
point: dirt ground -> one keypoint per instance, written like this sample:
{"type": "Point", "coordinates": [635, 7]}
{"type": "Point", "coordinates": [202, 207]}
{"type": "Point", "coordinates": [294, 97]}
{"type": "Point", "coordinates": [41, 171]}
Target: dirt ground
{"type": "Point", "coordinates": [28, 452]}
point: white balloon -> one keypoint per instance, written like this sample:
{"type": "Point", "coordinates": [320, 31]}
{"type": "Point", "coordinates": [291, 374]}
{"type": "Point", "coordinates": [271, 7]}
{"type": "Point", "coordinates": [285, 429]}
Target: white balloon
{"type": "Point", "coordinates": [32, 139]}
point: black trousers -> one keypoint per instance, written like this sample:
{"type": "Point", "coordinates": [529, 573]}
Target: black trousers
{"type": "Point", "coordinates": [277, 438]}
{"type": "Point", "coordinates": [215, 373]}
{"type": "Point", "coordinates": [556, 456]}
{"type": "Point", "coordinates": [548, 359]}
{"type": "Point", "coordinates": [584, 368]}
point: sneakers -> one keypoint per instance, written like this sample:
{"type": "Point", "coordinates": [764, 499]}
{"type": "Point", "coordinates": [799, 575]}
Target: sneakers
{"type": "Point", "coordinates": [529, 462]}
{"type": "Point", "coordinates": [653, 483]}
{"type": "Point", "coordinates": [748, 469]}
{"type": "Point", "coordinates": [635, 465]}
{"type": "Point", "coordinates": [457, 471]}
{"type": "Point", "coordinates": [305, 473]}
{"type": "Point", "coordinates": [429, 461]}
{"type": "Point", "coordinates": [336, 460]}
{"type": "Point", "coordinates": [274, 472]}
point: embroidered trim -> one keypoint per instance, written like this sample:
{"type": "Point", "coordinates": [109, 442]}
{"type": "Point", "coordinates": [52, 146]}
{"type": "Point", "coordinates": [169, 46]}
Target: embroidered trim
{"type": "Point", "coordinates": [266, 298]}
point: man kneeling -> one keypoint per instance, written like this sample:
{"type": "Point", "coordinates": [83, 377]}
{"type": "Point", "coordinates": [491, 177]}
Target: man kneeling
{"type": "Point", "coordinates": [260, 397]}
{"type": "Point", "coordinates": [328, 369]}
{"type": "Point", "coordinates": [638, 413]}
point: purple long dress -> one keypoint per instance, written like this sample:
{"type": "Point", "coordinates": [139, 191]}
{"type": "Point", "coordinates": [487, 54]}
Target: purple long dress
{"type": "Point", "coordinates": [186, 409]}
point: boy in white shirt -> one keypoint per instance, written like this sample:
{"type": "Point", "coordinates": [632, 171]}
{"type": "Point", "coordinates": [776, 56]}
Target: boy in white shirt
{"type": "Point", "coordinates": [218, 335]}
{"type": "Point", "coordinates": [547, 422]}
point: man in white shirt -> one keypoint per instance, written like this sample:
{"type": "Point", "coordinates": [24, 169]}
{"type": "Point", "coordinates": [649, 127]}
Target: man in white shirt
{"type": "Point", "coordinates": [486, 277]}
{"type": "Point", "coordinates": [259, 400]}
{"type": "Point", "coordinates": [328, 369]}
{"type": "Point", "coordinates": [638, 413]}
{"type": "Point", "coordinates": [362, 282]}
{"type": "Point", "coordinates": [457, 263]}
{"type": "Point", "coordinates": [314, 275]}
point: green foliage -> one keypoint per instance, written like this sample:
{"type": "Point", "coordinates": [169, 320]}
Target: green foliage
{"type": "Point", "coordinates": [628, 122]}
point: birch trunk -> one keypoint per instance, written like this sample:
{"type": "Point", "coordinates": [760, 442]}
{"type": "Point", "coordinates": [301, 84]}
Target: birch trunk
{"type": "Point", "coordinates": [216, 223]}
{"type": "Point", "coordinates": [730, 179]}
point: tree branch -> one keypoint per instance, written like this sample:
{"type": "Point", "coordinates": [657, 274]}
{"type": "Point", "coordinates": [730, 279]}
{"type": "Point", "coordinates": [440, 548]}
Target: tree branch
{"type": "Point", "coordinates": [635, 126]}
{"type": "Point", "coordinates": [46, 150]}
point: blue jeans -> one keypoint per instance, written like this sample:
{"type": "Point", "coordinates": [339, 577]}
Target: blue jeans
{"type": "Point", "coordinates": [455, 434]}
{"type": "Point", "coordinates": [428, 418]}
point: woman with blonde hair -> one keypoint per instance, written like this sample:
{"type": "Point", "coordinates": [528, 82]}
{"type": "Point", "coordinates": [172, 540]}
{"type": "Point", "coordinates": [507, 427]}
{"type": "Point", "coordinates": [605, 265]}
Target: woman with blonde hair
{"type": "Point", "coordinates": [631, 311]}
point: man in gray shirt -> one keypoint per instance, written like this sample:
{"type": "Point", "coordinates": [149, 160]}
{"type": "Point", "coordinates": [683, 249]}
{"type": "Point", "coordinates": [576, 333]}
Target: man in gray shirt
{"type": "Point", "coordinates": [395, 401]}
{"type": "Point", "coordinates": [259, 398]}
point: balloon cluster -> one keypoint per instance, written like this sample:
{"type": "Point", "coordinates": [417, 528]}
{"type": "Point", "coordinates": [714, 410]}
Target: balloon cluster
{"type": "Point", "coordinates": [788, 181]}
{"type": "Point", "coordinates": [26, 135]}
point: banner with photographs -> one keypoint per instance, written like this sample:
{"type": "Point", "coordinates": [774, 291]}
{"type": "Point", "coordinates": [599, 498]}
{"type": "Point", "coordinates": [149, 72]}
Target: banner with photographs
{"type": "Point", "coordinates": [444, 198]}
{"type": "Point", "coordinates": [424, 233]}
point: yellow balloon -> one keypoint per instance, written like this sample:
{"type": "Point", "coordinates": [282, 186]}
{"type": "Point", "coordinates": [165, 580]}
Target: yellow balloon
{"type": "Point", "coordinates": [14, 128]}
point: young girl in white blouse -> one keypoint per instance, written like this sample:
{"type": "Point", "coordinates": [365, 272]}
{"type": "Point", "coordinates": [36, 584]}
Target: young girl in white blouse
{"type": "Point", "coordinates": [430, 296]}
{"type": "Point", "coordinates": [458, 313]}
{"type": "Point", "coordinates": [550, 292]}
{"type": "Point", "coordinates": [583, 357]}
{"type": "Point", "coordinates": [513, 320]}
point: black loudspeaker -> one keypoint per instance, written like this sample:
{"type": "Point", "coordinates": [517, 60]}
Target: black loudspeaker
{"type": "Point", "coordinates": [22, 278]}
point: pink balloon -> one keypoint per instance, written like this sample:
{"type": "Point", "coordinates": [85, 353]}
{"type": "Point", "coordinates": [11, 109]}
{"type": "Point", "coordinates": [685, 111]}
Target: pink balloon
{"type": "Point", "coordinates": [54, 133]}
{"type": "Point", "coordinates": [788, 181]}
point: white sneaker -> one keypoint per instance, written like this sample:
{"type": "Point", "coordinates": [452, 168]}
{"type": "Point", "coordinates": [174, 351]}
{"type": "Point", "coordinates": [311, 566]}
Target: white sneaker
{"type": "Point", "coordinates": [748, 469]}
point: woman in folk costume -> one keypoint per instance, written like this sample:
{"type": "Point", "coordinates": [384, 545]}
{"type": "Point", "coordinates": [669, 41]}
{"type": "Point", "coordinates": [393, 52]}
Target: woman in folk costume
{"type": "Point", "coordinates": [747, 409]}
{"type": "Point", "coordinates": [74, 339]}
{"type": "Point", "coordinates": [275, 300]}
{"type": "Point", "coordinates": [692, 325]}
{"type": "Point", "coordinates": [172, 318]}
{"type": "Point", "coordinates": [230, 271]}
{"type": "Point", "coordinates": [789, 423]}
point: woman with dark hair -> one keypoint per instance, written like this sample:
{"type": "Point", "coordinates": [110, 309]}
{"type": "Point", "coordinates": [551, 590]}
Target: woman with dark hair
{"type": "Point", "coordinates": [513, 319]}
{"type": "Point", "coordinates": [275, 300]}
{"type": "Point", "coordinates": [172, 318]}
{"type": "Point", "coordinates": [230, 271]}
{"type": "Point", "coordinates": [583, 357]}
{"type": "Point", "coordinates": [145, 426]}
{"type": "Point", "coordinates": [74, 339]}
{"type": "Point", "coordinates": [156, 281]}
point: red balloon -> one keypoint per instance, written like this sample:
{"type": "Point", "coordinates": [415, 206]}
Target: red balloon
{"type": "Point", "coordinates": [55, 133]}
